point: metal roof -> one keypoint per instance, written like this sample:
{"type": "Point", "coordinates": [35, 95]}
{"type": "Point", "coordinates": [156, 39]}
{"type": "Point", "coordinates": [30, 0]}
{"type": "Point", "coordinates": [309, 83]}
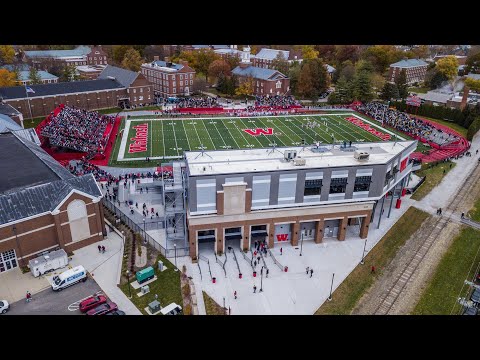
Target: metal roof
{"type": "Point", "coordinates": [123, 76]}
{"type": "Point", "coordinates": [39, 185]}
{"type": "Point", "coordinates": [79, 51]}
{"type": "Point", "coordinates": [8, 109]}
{"type": "Point", "coordinates": [7, 124]}
{"type": "Point", "coordinates": [18, 92]}
{"type": "Point", "coordinates": [270, 54]}
{"type": "Point", "coordinates": [409, 63]}
{"type": "Point", "coordinates": [25, 74]}
{"type": "Point", "coordinates": [258, 73]}
{"type": "Point", "coordinates": [162, 63]}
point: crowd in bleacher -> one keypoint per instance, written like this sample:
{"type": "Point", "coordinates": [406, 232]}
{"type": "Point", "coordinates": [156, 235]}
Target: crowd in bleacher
{"type": "Point", "coordinates": [407, 123]}
{"type": "Point", "coordinates": [276, 101]}
{"type": "Point", "coordinates": [78, 129]}
{"type": "Point", "coordinates": [253, 111]}
{"type": "Point", "coordinates": [193, 102]}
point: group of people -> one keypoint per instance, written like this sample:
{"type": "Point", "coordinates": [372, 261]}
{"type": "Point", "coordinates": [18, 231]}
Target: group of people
{"type": "Point", "coordinates": [78, 129]}
{"type": "Point", "coordinates": [276, 101]}
{"type": "Point", "coordinates": [193, 102]}
{"type": "Point", "coordinates": [406, 123]}
{"type": "Point", "coordinates": [252, 111]}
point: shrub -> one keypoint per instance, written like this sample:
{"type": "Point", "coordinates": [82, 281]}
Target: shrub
{"type": "Point", "coordinates": [187, 310]}
{"type": "Point", "coordinates": [186, 290]}
{"type": "Point", "coordinates": [473, 128]}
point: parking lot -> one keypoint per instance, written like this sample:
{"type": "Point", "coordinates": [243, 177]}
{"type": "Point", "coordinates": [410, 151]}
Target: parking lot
{"type": "Point", "coordinates": [49, 302]}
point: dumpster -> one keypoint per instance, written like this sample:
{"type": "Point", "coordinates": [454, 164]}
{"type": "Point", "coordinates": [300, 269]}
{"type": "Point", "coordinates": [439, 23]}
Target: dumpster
{"type": "Point", "coordinates": [145, 274]}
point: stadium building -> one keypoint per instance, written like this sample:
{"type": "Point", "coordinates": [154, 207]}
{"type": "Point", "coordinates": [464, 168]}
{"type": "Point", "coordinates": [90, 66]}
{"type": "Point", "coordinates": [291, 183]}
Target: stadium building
{"type": "Point", "coordinates": [283, 195]}
{"type": "Point", "coordinates": [43, 206]}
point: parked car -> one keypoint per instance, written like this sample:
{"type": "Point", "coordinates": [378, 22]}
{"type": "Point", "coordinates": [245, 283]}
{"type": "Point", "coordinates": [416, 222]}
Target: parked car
{"type": "Point", "coordinates": [4, 306]}
{"type": "Point", "coordinates": [476, 297]}
{"type": "Point", "coordinates": [103, 309]}
{"type": "Point", "coordinates": [470, 311]}
{"type": "Point", "coordinates": [92, 302]}
{"type": "Point", "coordinates": [172, 309]}
{"type": "Point", "coordinates": [116, 312]}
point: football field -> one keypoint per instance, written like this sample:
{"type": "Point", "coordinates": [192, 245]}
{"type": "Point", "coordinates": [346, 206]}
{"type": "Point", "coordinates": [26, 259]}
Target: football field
{"type": "Point", "coordinates": [169, 138]}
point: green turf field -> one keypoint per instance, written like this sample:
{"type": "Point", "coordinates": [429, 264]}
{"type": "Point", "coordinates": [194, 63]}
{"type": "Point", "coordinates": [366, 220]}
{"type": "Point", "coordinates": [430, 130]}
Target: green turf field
{"type": "Point", "coordinates": [168, 138]}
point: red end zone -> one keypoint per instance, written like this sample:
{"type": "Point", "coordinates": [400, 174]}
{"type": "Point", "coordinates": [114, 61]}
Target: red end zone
{"type": "Point", "coordinates": [140, 140]}
{"type": "Point", "coordinates": [368, 128]}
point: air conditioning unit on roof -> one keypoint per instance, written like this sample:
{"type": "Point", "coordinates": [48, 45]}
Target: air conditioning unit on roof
{"type": "Point", "coordinates": [361, 155]}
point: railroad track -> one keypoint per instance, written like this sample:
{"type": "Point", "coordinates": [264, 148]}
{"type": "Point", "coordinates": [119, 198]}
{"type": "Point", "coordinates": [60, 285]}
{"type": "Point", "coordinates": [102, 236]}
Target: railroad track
{"type": "Point", "coordinates": [433, 229]}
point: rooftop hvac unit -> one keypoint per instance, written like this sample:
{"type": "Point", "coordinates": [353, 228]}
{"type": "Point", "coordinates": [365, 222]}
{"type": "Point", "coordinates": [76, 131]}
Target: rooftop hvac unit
{"type": "Point", "coordinates": [290, 154]}
{"type": "Point", "coordinates": [299, 162]}
{"type": "Point", "coordinates": [361, 155]}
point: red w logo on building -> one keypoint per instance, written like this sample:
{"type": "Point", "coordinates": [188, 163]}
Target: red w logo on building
{"type": "Point", "coordinates": [282, 237]}
{"type": "Point", "coordinates": [259, 131]}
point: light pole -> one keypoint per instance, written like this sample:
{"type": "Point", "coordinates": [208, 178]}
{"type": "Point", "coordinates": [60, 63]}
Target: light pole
{"type": "Point", "coordinates": [175, 249]}
{"type": "Point", "coordinates": [128, 283]}
{"type": "Point", "coordinates": [261, 279]}
{"type": "Point", "coordinates": [301, 244]}
{"type": "Point", "coordinates": [224, 303]}
{"type": "Point", "coordinates": [363, 254]}
{"type": "Point", "coordinates": [144, 228]}
{"type": "Point", "coordinates": [331, 287]}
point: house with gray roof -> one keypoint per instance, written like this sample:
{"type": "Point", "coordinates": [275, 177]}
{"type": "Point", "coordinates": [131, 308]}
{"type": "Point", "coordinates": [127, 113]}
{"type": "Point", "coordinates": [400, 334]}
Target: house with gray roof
{"type": "Point", "coordinates": [77, 56]}
{"type": "Point", "coordinates": [24, 74]}
{"type": "Point", "coordinates": [44, 207]}
{"type": "Point", "coordinates": [265, 81]}
{"type": "Point", "coordinates": [415, 70]}
{"type": "Point", "coordinates": [265, 57]}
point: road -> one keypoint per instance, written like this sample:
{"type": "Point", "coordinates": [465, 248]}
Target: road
{"type": "Point", "coordinates": [49, 302]}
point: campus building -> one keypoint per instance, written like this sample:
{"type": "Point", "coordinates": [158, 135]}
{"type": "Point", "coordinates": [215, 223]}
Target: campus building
{"type": "Point", "coordinates": [236, 197]}
{"type": "Point", "coordinates": [24, 74]}
{"type": "Point", "coordinates": [415, 70]}
{"type": "Point", "coordinates": [265, 57]}
{"type": "Point", "coordinates": [168, 78]}
{"type": "Point", "coordinates": [265, 81]}
{"type": "Point", "coordinates": [77, 56]}
{"type": "Point", "coordinates": [44, 206]}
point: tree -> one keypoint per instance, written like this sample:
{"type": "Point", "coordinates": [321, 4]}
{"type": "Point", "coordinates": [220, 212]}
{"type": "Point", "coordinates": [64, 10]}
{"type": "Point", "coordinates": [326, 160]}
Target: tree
{"type": "Point", "coordinates": [7, 78]}
{"type": "Point", "coordinates": [421, 51]}
{"type": "Point", "coordinates": [473, 84]}
{"type": "Point", "coordinates": [326, 52]}
{"type": "Point", "coordinates": [226, 85]}
{"type": "Point", "coordinates": [347, 71]}
{"type": "Point", "coordinates": [313, 79]}
{"type": "Point", "coordinates": [232, 61]}
{"type": "Point", "coordinates": [217, 68]}
{"type": "Point", "coordinates": [188, 56]}
{"type": "Point", "coordinates": [7, 54]}
{"type": "Point", "coordinates": [246, 87]}
{"type": "Point", "coordinates": [343, 92]}
{"type": "Point", "coordinates": [378, 81]}
{"type": "Point", "coordinates": [293, 74]}
{"type": "Point", "coordinates": [34, 77]}
{"type": "Point", "coordinates": [280, 63]}
{"type": "Point", "coordinates": [309, 52]}
{"type": "Point", "coordinates": [363, 86]}
{"type": "Point", "coordinates": [154, 50]}
{"type": "Point", "coordinates": [347, 52]}
{"type": "Point", "coordinates": [434, 79]}
{"type": "Point", "coordinates": [473, 63]}
{"type": "Point", "coordinates": [389, 91]}
{"type": "Point", "coordinates": [401, 82]}
{"type": "Point", "coordinates": [204, 58]}
{"type": "Point", "coordinates": [118, 53]}
{"type": "Point", "coordinates": [132, 60]}
{"type": "Point", "coordinates": [381, 56]}
{"type": "Point", "coordinates": [448, 66]}
{"type": "Point", "coordinates": [69, 73]}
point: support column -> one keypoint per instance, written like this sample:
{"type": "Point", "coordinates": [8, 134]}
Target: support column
{"type": "Point", "coordinates": [319, 225]}
{"type": "Point", "coordinates": [102, 218]}
{"type": "Point", "coordinates": [58, 227]}
{"type": "Point", "coordinates": [271, 234]}
{"type": "Point", "coordinates": [219, 240]}
{"type": "Point", "coordinates": [295, 233]}
{"type": "Point", "coordinates": [246, 238]}
{"type": "Point", "coordinates": [391, 203]}
{"type": "Point", "coordinates": [365, 225]}
{"type": "Point", "coordinates": [98, 205]}
{"type": "Point", "coordinates": [342, 230]}
{"type": "Point", "coordinates": [381, 211]}
{"type": "Point", "coordinates": [192, 239]}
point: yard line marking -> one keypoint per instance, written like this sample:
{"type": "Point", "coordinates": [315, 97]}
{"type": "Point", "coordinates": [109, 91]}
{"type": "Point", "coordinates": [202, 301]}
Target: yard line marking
{"type": "Point", "coordinates": [163, 135]}
{"type": "Point", "coordinates": [214, 147]}
{"type": "Point", "coordinates": [186, 135]}
{"type": "Point", "coordinates": [123, 143]}
{"type": "Point", "coordinates": [276, 137]}
{"type": "Point", "coordinates": [196, 131]}
{"type": "Point", "coordinates": [301, 129]}
{"type": "Point", "coordinates": [221, 137]}
{"type": "Point", "coordinates": [175, 137]}
{"type": "Point", "coordinates": [248, 127]}
{"type": "Point", "coordinates": [241, 132]}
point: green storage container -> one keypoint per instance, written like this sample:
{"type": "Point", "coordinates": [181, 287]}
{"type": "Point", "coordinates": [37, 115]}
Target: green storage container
{"type": "Point", "coordinates": [145, 274]}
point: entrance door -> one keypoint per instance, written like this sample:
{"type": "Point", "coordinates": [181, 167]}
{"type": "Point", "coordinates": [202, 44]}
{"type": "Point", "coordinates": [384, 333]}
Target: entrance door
{"type": "Point", "coordinates": [331, 228]}
{"type": "Point", "coordinates": [8, 260]}
{"type": "Point", "coordinates": [187, 91]}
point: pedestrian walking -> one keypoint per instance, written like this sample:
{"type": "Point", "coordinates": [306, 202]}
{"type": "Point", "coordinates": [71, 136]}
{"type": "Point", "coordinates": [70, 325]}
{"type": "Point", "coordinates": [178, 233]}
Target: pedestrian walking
{"type": "Point", "coordinates": [256, 244]}
{"type": "Point", "coordinates": [267, 273]}
{"type": "Point", "coordinates": [373, 270]}
{"type": "Point", "coordinates": [146, 189]}
{"type": "Point", "coordinates": [255, 263]}
{"type": "Point", "coordinates": [103, 249]}
{"type": "Point", "coordinates": [28, 296]}
{"type": "Point", "coordinates": [308, 268]}
{"type": "Point", "coordinates": [255, 253]}
{"type": "Point", "coordinates": [235, 294]}
{"type": "Point", "coordinates": [254, 289]}
{"type": "Point", "coordinates": [258, 259]}
{"type": "Point", "coordinates": [156, 296]}
{"type": "Point", "coordinates": [463, 215]}
{"type": "Point", "coordinates": [136, 204]}
{"type": "Point", "coordinates": [99, 249]}
{"type": "Point", "coordinates": [281, 251]}
{"type": "Point", "coordinates": [311, 272]}
{"type": "Point", "coordinates": [229, 311]}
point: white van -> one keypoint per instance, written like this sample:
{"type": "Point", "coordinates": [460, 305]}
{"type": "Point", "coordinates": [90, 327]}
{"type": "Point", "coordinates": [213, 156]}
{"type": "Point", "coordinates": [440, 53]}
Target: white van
{"type": "Point", "coordinates": [172, 309]}
{"type": "Point", "coordinates": [69, 277]}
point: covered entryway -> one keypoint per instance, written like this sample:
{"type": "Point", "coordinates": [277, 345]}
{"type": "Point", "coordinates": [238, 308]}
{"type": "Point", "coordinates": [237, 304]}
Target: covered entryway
{"type": "Point", "coordinates": [206, 241]}
{"type": "Point", "coordinates": [124, 103]}
{"type": "Point", "coordinates": [331, 228]}
{"type": "Point", "coordinates": [307, 230]}
{"type": "Point", "coordinates": [283, 233]}
{"type": "Point", "coordinates": [233, 237]}
{"type": "Point", "coordinates": [8, 260]}
{"type": "Point", "coordinates": [258, 233]}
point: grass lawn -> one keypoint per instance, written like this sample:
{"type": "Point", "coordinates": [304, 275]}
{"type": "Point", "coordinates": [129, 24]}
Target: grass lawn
{"type": "Point", "coordinates": [32, 123]}
{"type": "Point", "coordinates": [167, 287]}
{"type": "Point", "coordinates": [461, 130]}
{"type": "Point", "coordinates": [360, 279]}
{"type": "Point", "coordinates": [440, 297]}
{"type": "Point", "coordinates": [434, 177]}
{"type": "Point", "coordinates": [474, 213]}
{"type": "Point", "coordinates": [211, 307]}
{"type": "Point", "coordinates": [419, 90]}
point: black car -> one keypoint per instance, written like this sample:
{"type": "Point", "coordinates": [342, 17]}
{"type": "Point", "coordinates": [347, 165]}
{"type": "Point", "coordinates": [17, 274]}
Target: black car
{"type": "Point", "coordinates": [470, 311]}
{"type": "Point", "coordinates": [476, 297]}
{"type": "Point", "coordinates": [116, 312]}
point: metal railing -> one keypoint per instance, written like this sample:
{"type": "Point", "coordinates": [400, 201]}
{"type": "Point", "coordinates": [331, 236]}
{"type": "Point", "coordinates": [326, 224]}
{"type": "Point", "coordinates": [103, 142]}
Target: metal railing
{"type": "Point", "coordinates": [221, 263]}
{"type": "Point", "coordinates": [200, 269]}
{"type": "Point", "coordinates": [280, 266]}
{"type": "Point", "coordinates": [201, 257]}
{"type": "Point", "coordinates": [250, 261]}
{"type": "Point", "coordinates": [263, 260]}
{"type": "Point", "coordinates": [120, 215]}
{"type": "Point", "coordinates": [236, 261]}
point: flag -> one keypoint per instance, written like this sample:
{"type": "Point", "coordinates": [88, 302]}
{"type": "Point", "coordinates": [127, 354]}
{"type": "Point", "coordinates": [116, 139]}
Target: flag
{"type": "Point", "coordinates": [29, 89]}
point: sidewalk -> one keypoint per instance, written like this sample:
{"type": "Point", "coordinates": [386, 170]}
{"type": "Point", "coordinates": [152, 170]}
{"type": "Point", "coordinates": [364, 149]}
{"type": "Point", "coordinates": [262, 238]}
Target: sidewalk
{"type": "Point", "coordinates": [105, 269]}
